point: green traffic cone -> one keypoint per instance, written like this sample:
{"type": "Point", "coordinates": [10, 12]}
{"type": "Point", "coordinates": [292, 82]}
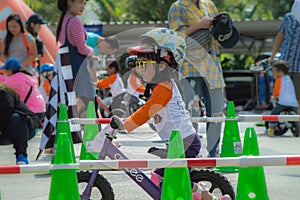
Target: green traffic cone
{"type": "Point", "coordinates": [251, 180]}
{"type": "Point", "coordinates": [64, 184]}
{"type": "Point", "coordinates": [63, 126]}
{"type": "Point", "coordinates": [90, 131]}
{"type": "Point", "coordinates": [176, 184]}
{"type": "Point", "coordinates": [231, 142]}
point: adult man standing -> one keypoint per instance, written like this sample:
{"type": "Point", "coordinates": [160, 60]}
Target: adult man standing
{"type": "Point", "coordinates": [206, 78]}
{"type": "Point", "coordinates": [288, 38]}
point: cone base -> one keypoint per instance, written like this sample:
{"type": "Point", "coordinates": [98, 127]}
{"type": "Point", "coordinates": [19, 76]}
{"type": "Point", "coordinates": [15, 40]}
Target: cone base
{"type": "Point", "coordinates": [63, 188]}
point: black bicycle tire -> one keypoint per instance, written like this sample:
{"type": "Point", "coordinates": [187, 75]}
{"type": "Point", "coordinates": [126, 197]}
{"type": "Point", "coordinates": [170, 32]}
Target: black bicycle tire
{"type": "Point", "coordinates": [278, 130]}
{"type": "Point", "coordinates": [216, 179]}
{"type": "Point", "coordinates": [295, 129]}
{"type": "Point", "coordinates": [100, 183]}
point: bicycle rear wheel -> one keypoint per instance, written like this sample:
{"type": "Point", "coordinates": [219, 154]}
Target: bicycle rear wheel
{"type": "Point", "coordinates": [101, 188]}
{"type": "Point", "coordinates": [215, 182]}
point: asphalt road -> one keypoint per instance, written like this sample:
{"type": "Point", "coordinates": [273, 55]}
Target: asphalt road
{"type": "Point", "coordinates": [282, 181]}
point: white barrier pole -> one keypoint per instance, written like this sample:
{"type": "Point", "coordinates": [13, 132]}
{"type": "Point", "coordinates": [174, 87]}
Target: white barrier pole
{"type": "Point", "coordinates": [243, 161]}
{"type": "Point", "coordinates": [240, 118]}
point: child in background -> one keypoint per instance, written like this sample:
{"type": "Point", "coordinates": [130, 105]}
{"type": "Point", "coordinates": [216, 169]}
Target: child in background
{"type": "Point", "coordinates": [46, 72]}
{"type": "Point", "coordinates": [114, 82]}
{"type": "Point", "coordinates": [135, 87]}
{"type": "Point", "coordinates": [25, 85]}
{"type": "Point", "coordinates": [284, 92]}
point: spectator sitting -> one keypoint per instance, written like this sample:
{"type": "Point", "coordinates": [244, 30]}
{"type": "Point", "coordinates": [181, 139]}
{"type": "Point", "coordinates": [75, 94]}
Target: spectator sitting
{"type": "Point", "coordinates": [115, 83]}
{"type": "Point", "coordinates": [17, 123]}
{"type": "Point", "coordinates": [25, 85]}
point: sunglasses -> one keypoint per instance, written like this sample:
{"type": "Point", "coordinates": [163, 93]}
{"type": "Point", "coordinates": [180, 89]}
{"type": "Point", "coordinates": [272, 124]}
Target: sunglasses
{"type": "Point", "coordinates": [141, 65]}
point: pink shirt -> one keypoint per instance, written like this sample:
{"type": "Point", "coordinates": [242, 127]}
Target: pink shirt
{"type": "Point", "coordinates": [21, 83]}
{"type": "Point", "coordinates": [76, 35]}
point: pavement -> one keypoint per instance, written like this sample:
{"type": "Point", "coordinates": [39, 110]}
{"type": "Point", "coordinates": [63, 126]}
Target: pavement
{"type": "Point", "coordinates": [282, 181]}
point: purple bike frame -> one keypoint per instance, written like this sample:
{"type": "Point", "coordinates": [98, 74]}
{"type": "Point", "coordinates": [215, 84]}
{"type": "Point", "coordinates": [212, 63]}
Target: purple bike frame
{"type": "Point", "coordinates": [110, 150]}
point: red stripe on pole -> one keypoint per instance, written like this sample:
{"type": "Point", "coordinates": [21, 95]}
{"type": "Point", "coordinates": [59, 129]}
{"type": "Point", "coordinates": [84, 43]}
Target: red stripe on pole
{"type": "Point", "coordinates": [14, 169]}
{"type": "Point", "coordinates": [295, 160]}
{"type": "Point", "coordinates": [135, 164]}
{"type": "Point", "coordinates": [102, 120]}
{"type": "Point", "coordinates": [270, 117]}
{"type": "Point", "coordinates": [202, 162]}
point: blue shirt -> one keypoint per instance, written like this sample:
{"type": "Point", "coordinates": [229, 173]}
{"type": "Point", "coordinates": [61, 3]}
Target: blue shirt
{"type": "Point", "coordinates": [290, 48]}
{"type": "Point", "coordinates": [92, 41]}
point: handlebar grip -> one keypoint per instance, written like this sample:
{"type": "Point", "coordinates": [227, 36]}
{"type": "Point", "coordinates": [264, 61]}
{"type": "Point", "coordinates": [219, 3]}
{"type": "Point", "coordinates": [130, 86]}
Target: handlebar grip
{"type": "Point", "coordinates": [116, 123]}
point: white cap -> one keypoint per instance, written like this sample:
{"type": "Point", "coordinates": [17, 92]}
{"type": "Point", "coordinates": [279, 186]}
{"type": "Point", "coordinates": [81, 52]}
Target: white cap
{"type": "Point", "coordinates": [296, 9]}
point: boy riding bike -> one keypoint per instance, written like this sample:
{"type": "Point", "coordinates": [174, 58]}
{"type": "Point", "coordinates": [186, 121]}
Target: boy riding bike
{"type": "Point", "coordinates": [284, 93]}
{"type": "Point", "coordinates": [159, 56]}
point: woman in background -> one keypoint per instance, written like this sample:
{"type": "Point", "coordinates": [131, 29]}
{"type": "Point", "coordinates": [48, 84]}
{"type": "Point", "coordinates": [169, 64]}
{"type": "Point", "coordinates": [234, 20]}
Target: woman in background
{"type": "Point", "coordinates": [18, 44]}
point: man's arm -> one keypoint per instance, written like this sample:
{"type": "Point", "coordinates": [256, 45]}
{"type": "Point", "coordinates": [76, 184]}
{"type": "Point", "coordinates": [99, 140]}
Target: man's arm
{"type": "Point", "coordinates": [277, 44]}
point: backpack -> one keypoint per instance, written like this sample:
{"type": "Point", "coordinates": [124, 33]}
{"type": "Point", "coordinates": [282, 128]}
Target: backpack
{"type": "Point", "coordinates": [27, 47]}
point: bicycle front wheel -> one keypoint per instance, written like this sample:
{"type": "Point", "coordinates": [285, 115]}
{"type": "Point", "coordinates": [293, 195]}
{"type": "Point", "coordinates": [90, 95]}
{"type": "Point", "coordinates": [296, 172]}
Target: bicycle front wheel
{"type": "Point", "coordinates": [215, 182]}
{"type": "Point", "coordinates": [101, 188]}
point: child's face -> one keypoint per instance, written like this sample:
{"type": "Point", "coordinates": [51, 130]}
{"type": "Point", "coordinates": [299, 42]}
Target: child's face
{"type": "Point", "coordinates": [145, 68]}
{"type": "Point", "coordinates": [110, 71]}
{"type": "Point", "coordinates": [276, 73]}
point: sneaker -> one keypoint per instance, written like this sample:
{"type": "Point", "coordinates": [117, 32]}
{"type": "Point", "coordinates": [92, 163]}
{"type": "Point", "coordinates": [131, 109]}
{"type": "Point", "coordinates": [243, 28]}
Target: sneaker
{"type": "Point", "coordinates": [270, 132]}
{"type": "Point", "coordinates": [22, 160]}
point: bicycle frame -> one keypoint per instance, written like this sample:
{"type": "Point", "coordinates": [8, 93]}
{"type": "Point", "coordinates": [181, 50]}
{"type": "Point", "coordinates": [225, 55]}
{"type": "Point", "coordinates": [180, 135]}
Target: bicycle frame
{"type": "Point", "coordinates": [108, 149]}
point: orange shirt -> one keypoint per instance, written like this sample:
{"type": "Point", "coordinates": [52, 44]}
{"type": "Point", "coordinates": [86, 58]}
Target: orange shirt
{"type": "Point", "coordinates": [161, 95]}
{"type": "Point", "coordinates": [114, 82]}
{"type": "Point", "coordinates": [106, 82]}
{"type": "Point", "coordinates": [277, 85]}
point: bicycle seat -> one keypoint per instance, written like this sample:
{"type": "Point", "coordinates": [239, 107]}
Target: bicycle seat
{"type": "Point", "coordinates": [160, 152]}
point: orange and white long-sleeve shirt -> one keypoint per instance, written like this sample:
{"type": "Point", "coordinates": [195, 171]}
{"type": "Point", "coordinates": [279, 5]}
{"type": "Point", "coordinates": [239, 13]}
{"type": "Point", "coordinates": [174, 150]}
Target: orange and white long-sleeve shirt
{"type": "Point", "coordinates": [114, 82]}
{"type": "Point", "coordinates": [285, 92]}
{"type": "Point", "coordinates": [44, 89]}
{"type": "Point", "coordinates": [135, 86]}
{"type": "Point", "coordinates": [167, 109]}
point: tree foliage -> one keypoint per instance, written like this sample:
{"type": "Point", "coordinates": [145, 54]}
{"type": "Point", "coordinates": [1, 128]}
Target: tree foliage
{"type": "Point", "coordinates": [47, 8]}
{"type": "Point", "coordinates": [156, 10]}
